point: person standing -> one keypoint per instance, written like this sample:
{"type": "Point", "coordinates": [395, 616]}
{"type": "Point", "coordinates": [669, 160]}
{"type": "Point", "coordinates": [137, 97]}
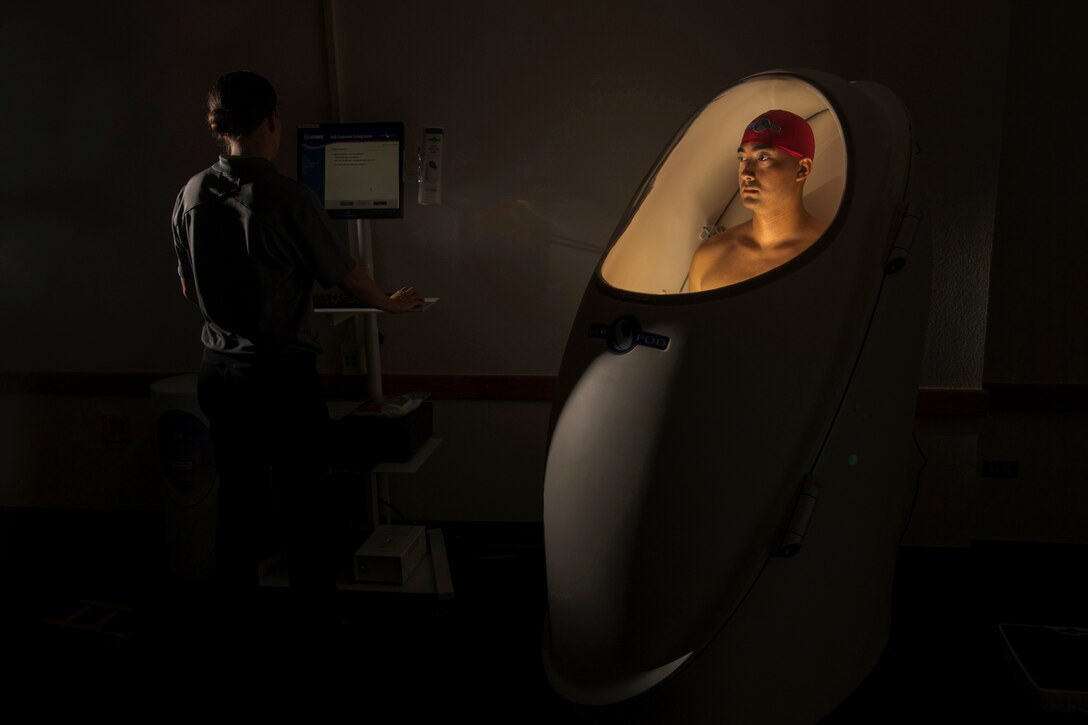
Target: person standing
{"type": "Point", "coordinates": [250, 245]}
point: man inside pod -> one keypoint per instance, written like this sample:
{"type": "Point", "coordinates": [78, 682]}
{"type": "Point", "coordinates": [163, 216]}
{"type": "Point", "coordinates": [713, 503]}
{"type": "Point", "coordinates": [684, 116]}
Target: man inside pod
{"type": "Point", "coordinates": [775, 160]}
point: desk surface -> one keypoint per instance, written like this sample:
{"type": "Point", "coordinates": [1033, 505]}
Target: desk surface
{"type": "Point", "coordinates": [427, 302]}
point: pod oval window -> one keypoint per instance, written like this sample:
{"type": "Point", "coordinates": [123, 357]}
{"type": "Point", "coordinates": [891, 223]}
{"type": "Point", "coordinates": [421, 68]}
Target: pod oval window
{"type": "Point", "coordinates": [693, 200]}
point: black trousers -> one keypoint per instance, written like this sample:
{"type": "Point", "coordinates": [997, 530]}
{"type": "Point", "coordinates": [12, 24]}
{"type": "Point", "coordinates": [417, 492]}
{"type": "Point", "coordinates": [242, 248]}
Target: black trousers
{"type": "Point", "coordinates": [269, 424]}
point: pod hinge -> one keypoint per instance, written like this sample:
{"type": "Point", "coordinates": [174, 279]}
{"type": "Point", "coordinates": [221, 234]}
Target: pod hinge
{"type": "Point", "coordinates": [802, 514]}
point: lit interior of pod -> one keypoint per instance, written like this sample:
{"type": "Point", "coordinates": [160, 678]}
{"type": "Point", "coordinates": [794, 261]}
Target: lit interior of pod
{"type": "Point", "coordinates": [696, 185]}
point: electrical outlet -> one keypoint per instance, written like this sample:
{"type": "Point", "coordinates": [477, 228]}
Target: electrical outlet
{"type": "Point", "coordinates": [349, 359]}
{"type": "Point", "coordinates": [1000, 469]}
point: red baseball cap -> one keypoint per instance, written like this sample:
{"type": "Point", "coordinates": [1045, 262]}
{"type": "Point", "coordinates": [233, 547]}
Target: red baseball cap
{"type": "Point", "coordinates": [782, 130]}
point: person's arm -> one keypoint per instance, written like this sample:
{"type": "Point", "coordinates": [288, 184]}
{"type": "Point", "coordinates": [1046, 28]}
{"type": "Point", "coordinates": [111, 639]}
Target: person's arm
{"type": "Point", "coordinates": [181, 249]}
{"type": "Point", "coordinates": [359, 285]}
{"type": "Point", "coordinates": [188, 288]}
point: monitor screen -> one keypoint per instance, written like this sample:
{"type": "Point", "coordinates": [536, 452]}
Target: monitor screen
{"type": "Point", "coordinates": [356, 169]}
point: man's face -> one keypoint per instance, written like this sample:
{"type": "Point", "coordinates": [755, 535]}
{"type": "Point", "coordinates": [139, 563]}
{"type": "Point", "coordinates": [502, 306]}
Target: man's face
{"type": "Point", "coordinates": [769, 177]}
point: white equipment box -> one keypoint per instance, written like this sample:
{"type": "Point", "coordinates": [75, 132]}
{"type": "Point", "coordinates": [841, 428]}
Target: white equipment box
{"type": "Point", "coordinates": [391, 554]}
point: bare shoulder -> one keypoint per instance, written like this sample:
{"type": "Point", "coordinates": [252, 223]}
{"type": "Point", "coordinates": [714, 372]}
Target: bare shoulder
{"type": "Point", "coordinates": [726, 238]}
{"type": "Point", "coordinates": [711, 253]}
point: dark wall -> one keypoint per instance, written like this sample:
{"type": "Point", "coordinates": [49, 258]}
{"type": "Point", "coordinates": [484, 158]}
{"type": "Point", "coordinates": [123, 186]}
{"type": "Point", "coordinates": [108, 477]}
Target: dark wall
{"type": "Point", "coordinates": [1037, 334]}
{"type": "Point", "coordinates": [554, 112]}
{"type": "Point", "coordinates": [1037, 330]}
{"type": "Point", "coordinates": [103, 123]}
{"type": "Point", "coordinates": [947, 61]}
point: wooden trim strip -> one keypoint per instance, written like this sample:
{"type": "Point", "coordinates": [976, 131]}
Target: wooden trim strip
{"type": "Point", "coordinates": [60, 382]}
{"type": "Point", "coordinates": [138, 384]}
{"type": "Point", "coordinates": [969, 402]}
{"type": "Point", "coordinates": [953, 402]}
{"type": "Point", "coordinates": [449, 387]}
{"type": "Point", "coordinates": [1049, 397]}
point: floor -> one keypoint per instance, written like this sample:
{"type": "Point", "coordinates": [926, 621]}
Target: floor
{"type": "Point", "coordinates": [92, 622]}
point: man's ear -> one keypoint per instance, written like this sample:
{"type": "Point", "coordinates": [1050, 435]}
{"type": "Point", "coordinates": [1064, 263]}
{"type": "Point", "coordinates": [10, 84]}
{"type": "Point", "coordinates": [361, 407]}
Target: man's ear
{"type": "Point", "coordinates": [804, 168]}
{"type": "Point", "coordinates": [273, 121]}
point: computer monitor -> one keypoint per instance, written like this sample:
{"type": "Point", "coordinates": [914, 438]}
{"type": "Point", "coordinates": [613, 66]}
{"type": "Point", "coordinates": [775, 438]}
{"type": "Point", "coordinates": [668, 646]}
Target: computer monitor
{"type": "Point", "coordinates": [356, 169]}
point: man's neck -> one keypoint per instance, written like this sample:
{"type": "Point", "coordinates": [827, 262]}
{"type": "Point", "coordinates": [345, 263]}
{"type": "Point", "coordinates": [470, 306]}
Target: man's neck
{"type": "Point", "coordinates": [261, 142]}
{"type": "Point", "coordinates": [779, 227]}
{"type": "Point", "coordinates": [249, 147]}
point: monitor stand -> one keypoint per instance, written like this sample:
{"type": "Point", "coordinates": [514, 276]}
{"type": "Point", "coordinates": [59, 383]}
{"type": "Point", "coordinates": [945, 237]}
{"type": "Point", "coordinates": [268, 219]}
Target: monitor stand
{"type": "Point", "coordinates": [360, 241]}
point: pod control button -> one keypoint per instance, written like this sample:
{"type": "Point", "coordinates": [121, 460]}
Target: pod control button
{"type": "Point", "coordinates": [621, 337]}
{"type": "Point", "coordinates": [625, 334]}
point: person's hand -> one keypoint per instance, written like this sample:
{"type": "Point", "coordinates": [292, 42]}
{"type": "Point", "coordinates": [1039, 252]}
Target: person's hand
{"type": "Point", "coordinates": [405, 299]}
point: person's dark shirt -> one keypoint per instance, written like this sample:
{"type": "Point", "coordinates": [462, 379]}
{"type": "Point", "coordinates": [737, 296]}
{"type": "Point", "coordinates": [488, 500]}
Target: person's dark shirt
{"type": "Point", "coordinates": [254, 242]}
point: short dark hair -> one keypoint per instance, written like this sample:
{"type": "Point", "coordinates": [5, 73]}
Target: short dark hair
{"type": "Point", "coordinates": [238, 102]}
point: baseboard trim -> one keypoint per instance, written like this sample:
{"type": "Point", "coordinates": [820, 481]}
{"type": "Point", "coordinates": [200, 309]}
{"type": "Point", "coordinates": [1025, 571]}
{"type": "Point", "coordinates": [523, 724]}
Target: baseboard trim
{"type": "Point", "coordinates": [950, 402]}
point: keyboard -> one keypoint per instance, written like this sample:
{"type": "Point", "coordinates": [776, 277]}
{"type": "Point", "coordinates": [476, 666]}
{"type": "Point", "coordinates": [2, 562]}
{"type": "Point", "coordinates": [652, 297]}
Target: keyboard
{"type": "Point", "coordinates": [341, 301]}
{"type": "Point", "coordinates": [338, 300]}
